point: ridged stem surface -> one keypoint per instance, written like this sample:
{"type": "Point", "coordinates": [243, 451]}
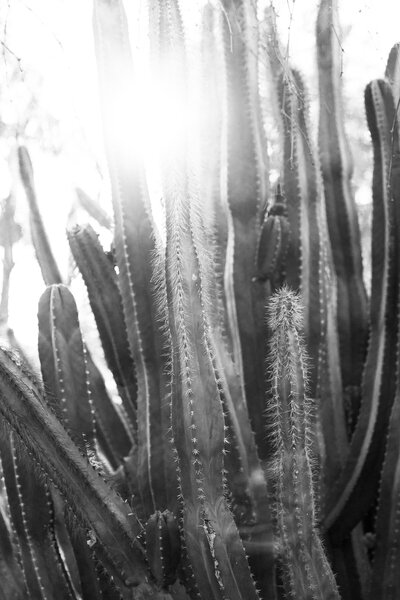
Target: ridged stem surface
{"type": "Point", "coordinates": [305, 568]}
{"type": "Point", "coordinates": [354, 492]}
{"type": "Point", "coordinates": [136, 247]}
{"type": "Point", "coordinates": [49, 446]}
{"type": "Point", "coordinates": [337, 167]}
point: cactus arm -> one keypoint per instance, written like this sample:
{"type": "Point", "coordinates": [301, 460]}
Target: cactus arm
{"type": "Point", "coordinates": [33, 516]}
{"type": "Point", "coordinates": [336, 165]}
{"type": "Point", "coordinates": [211, 536]}
{"type": "Point", "coordinates": [355, 489]}
{"type": "Point", "coordinates": [12, 578]}
{"type": "Point", "coordinates": [36, 510]}
{"type": "Point", "coordinates": [184, 430]}
{"type": "Point", "coordinates": [392, 73]}
{"type": "Point", "coordinates": [63, 362]}
{"type": "Point", "coordinates": [296, 190]}
{"type": "Point", "coordinates": [115, 446]}
{"type": "Point", "coordinates": [114, 526]}
{"type": "Point", "coordinates": [197, 569]}
{"type": "Point", "coordinates": [272, 246]}
{"type": "Point", "coordinates": [17, 513]}
{"type": "Point", "coordinates": [88, 575]}
{"type": "Point", "coordinates": [308, 261]}
{"type": "Point", "coordinates": [301, 189]}
{"type": "Point", "coordinates": [245, 164]}
{"type": "Point", "coordinates": [308, 267]}
{"type": "Point", "coordinates": [247, 161]}
{"type": "Point", "coordinates": [10, 233]}
{"type": "Point", "coordinates": [295, 162]}
{"type": "Point", "coordinates": [200, 565]}
{"type": "Point", "coordinates": [62, 527]}
{"type": "Point", "coordinates": [209, 251]}
{"type": "Point", "coordinates": [105, 301]}
{"type": "Point", "coordinates": [385, 581]}
{"type": "Point", "coordinates": [163, 547]}
{"type": "Point", "coordinates": [94, 209]}
{"type": "Point", "coordinates": [47, 263]}
{"type": "Point", "coordinates": [211, 188]}
{"type": "Point", "coordinates": [86, 563]}
{"type": "Point", "coordinates": [246, 477]}
{"type": "Point", "coordinates": [351, 565]}
{"type": "Point", "coordinates": [250, 474]}
{"type": "Point", "coordinates": [306, 571]}
{"type": "Point", "coordinates": [136, 245]}
{"type": "Point", "coordinates": [112, 426]}
{"type": "Point", "coordinates": [13, 552]}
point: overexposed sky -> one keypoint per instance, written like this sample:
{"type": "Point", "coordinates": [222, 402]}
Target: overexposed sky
{"type": "Point", "coordinates": [369, 29]}
{"type": "Point", "coordinates": [53, 39]}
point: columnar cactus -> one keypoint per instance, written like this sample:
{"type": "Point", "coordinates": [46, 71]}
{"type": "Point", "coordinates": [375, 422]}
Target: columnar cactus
{"type": "Point", "coordinates": [233, 467]}
{"type": "Point", "coordinates": [305, 568]}
{"type": "Point", "coordinates": [336, 166]}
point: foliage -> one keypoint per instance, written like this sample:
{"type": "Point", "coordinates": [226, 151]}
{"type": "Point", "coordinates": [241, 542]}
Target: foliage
{"type": "Point", "coordinates": [254, 450]}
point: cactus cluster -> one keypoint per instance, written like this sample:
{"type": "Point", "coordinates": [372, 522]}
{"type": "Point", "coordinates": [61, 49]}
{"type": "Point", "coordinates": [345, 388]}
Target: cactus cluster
{"type": "Point", "coordinates": [253, 452]}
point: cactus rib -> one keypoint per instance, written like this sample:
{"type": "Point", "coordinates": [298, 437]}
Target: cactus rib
{"type": "Point", "coordinates": [47, 263]}
{"type": "Point", "coordinates": [306, 571]}
{"type": "Point", "coordinates": [354, 491]}
{"type": "Point", "coordinates": [105, 301]}
{"type": "Point", "coordinates": [336, 165]}
{"type": "Point", "coordinates": [25, 411]}
{"type": "Point", "coordinates": [136, 244]}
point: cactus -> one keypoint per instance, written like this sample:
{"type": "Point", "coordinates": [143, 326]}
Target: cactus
{"type": "Point", "coordinates": [336, 166]}
{"type": "Point", "coordinates": [274, 241]}
{"type": "Point", "coordinates": [105, 300]}
{"type": "Point", "coordinates": [93, 208]}
{"type": "Point", "coordinates": [44, 254]}
{"type": "Point", "coordinates": [378, 389]}
{"type": "Point", "coordinates": [163, 547]}
{"type": "Point", "coordinates": [232, 466]}
{"type": "Point", "coordinates": [306, 570]}
{"type": "Point", "coordinates": [135, 247]}
{"type": "Point", "coordinates": [25, 411]}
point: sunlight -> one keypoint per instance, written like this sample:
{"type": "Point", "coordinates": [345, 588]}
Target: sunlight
{"type": "Point", "coordinates": [155, 117]}
{"type": "Point", "coordinates": [166, 117]}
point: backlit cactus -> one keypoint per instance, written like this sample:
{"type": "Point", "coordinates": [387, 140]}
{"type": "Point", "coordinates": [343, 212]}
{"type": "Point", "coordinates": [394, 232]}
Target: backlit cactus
{"type": "Point", "coordinates": [233, 467]}
{"type": "Point", "coordinates": [306, 572]}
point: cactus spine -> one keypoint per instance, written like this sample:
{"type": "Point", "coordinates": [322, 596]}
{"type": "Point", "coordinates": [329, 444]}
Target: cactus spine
{"type": "Point", "coordinates": [336, 165]}
{"type": "Point", "coordinates": [305, 568]}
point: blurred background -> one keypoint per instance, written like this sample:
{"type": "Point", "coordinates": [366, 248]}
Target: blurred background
{"type": "Point", "coordinates": [49, 102]}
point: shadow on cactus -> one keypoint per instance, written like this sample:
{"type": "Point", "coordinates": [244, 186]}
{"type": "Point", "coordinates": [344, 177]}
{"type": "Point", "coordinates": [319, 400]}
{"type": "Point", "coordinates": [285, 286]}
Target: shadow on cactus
{"type": "Point", "coordinates": [253, 453]}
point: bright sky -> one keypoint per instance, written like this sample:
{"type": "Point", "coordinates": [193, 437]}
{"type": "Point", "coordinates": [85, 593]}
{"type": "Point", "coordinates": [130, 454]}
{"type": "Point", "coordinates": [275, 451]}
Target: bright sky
{"type": "Point", "coordinates": [369, 30]}
{"type": "Point", "coordinates": [54, 41]}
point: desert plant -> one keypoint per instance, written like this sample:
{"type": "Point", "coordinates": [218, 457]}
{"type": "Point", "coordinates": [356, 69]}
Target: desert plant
{"type": "Point", "coordinates": [234, 466]}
